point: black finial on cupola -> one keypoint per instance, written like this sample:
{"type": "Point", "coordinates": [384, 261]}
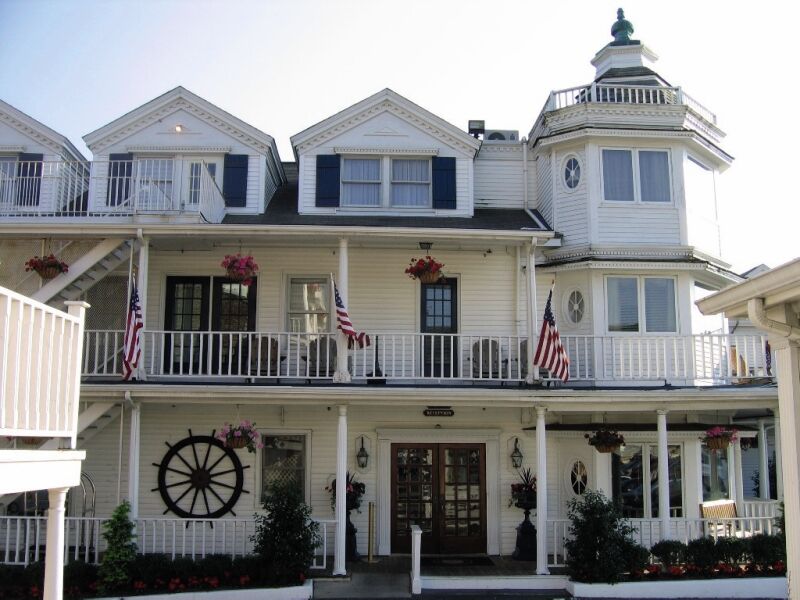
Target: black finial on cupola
{"type": "Point", "coordinates": [622, 29]}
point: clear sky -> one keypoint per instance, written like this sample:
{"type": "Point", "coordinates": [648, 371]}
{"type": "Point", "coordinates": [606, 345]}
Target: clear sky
{"type": "Point", "coordinates": [282, 66]}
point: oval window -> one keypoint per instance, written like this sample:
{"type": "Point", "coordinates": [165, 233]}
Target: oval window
{"type": "Point", "coordinates": [572, 173]}
{"type": "Point", "coordinates": [578, 478]}
{"type": "Point", "coordinates": [575, 306]}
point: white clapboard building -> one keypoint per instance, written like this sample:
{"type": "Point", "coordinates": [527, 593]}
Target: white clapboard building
{"type": "Point", "coordinates": [610, 200]}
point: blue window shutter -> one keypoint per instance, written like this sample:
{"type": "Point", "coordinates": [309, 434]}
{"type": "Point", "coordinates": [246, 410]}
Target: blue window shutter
{"type": "Point", "coordinates": [29, 179]}
{"type": "Point", "coordinates": [234, 180]}
{"type": "Point", "coordinates": [327, 180]}
{"type": "Point", "coordinates": [120, 167]}
{"type": "Point", "coordinates": [444, 182]}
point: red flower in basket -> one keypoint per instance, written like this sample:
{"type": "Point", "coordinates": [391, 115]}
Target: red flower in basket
{"type": "Point", "coordinates": [427, 270]}
{"type": "Point", "coordinates": [718, 438]}
{"type": "Point", "coordinates": [240, 268]}
{"type": "Point", "coordinates": [47, 267]}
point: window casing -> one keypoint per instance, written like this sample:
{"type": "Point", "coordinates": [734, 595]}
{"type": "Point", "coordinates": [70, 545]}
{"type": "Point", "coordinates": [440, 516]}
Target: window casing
{"type": "Point", "coordinates": [641, 304]}
{"type": "Point", "coordinates": [386, 182]}
{"type": "Point", "coordinates": [635, 480]}
{"type": "Point", "coordinates": [715, 474]}
{"type": "Point", "coordinates": [8, 169]}
{"type": "Point", "coordinates": [309, 305]}
{"type": "Point", "coordinates": [636, 175]}
{"type": "Point", "coordinates": [284, 458]}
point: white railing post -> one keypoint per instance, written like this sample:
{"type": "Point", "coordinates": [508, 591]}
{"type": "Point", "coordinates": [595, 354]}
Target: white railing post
{"type": "Point", "coordinates": [763, 462]}
{"type": "Point", "coordinates": [533, 370]}
{"type": "Point", "coordinates": [416, 552]}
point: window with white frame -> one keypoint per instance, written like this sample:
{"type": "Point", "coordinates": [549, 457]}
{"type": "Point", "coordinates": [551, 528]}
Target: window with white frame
{"type": "Point", "coordinates": [411, 182]}
{"type": "Point", "coordinates": [361, 182]}
{"type": "Point", "coordinates": [636, 175]}
{"type": "Point", "coordinates": [196, 177]}
{"type": "Point", "coordinates": [284, 460]}
{"type": "Point", "coordinates": [309, 305]}
{"type": "Point", "coordinates": [8, 169]}
{"type": "Point", "coordinates": [641, 304]}
{"type": "Point", "coordinates": [635, 480]}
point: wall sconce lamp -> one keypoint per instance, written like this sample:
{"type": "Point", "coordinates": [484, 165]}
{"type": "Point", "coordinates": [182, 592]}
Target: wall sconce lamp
{"type": "Point", "coordinates": [425, 245]}
{"type": "Point", "coordinates": [362, 457]}
{"type": "Point", "coordinates": [178, 128]}
{"type": "Point", "coordinates": [516, 455]}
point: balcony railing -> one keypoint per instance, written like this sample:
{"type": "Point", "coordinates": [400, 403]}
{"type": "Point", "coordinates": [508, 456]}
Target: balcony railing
{"type": "Point", "coordinates": [40, 358]}
{"type": "Point", "coordinates": [706, 359]}
{"type": "Point", "coordinates": [126, 188]}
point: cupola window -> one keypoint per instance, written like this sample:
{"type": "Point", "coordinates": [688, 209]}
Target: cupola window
{"type": "Point", "coordinates": [572, 173]}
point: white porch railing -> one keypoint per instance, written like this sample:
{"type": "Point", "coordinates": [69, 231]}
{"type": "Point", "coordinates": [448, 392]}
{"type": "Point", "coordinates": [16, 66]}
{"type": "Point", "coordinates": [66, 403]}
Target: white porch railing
{"type": "Point", "coordinates": [648, 532]}
{"type": "Point", "coordinates": [40, 358]}
{"type": "Point", "coordinates": [22, 539]}
{"type": "Point", "coordinates": [43, 188]}
{"type": "Point", "coordinates": [704, 359]}
{"type": "Point", "coordinates": [761, 508]}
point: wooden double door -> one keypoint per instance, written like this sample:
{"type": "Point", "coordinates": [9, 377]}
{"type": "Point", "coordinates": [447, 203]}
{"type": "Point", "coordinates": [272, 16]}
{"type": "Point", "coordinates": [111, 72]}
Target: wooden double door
{"type": "Point", "coordinates": [441, 488]}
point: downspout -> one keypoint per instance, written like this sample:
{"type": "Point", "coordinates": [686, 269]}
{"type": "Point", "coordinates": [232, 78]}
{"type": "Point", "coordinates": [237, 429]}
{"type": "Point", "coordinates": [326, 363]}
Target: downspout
{"type": "Point", "coordinates": [525, 173]}
{"type": "Point", "coordinates": [757, 314]}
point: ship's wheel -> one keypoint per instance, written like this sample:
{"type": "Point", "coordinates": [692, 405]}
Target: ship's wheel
{"type": "Point", "coordinates": [200, 478]}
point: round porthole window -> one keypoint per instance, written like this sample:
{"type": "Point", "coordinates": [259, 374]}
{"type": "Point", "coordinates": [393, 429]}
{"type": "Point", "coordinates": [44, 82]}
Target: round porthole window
{"type": "Point", "coordinates": [572, 173]}
{"type": "Point", "coordinates": [576, 306]}
{"type": "Point", "coordinates": [578, 478]}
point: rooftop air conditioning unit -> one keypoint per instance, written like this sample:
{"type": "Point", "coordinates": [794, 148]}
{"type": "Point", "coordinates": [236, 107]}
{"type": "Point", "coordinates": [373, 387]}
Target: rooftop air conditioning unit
{"type": "Point", "coordinates": [501, 135]}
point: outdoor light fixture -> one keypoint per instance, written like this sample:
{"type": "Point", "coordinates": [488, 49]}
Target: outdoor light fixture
{"type": "Point", "coordinates": [178, 128]}
{"type": "Point", "coordinates": [362, 457]}
{"type": "Point", "coordinates": [516, 455]}
{"type": "Point", "coordinates": [425, 245]}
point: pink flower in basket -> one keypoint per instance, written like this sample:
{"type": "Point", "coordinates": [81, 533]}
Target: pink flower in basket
{"type": "Point", "coordinates": [240, 268]}
{"type": "Point", "coordinates": [244, 435]}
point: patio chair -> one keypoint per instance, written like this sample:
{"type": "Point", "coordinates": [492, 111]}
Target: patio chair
{"type": "Point", "coordinates": [486, 360]}
{"type": "Point", "coordinates": [267, 364]}
{"type": "Point", "coordinates": [719, 509]}
{"type": "Point", "coordinates": [322, 357]}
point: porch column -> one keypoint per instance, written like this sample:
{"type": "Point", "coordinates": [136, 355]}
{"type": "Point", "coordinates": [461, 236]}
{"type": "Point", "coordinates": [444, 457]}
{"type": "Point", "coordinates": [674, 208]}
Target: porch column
{"type": "Point", "coordinates": [133, 459]}
{"type": "Point", "coordinates": [533, 372]}
{"type": "Point", "coordinates": [663, 476]}
{"type": "Point", "coordinates": [778, 458]}
{"type": "Point", "coordinates": [788, 374]}
{"type": "Point", "coordinates": [54, 559]}
{"type": "Point", "coordinates": [541, 493]}
{"type": "Point", "coordinates": [737, 473]}
{"type": "Point", "coordinates": [342, 375]}
{"type": "Point", "coordinates": [339, 566]}
{"type": "Point", "coordinates": [763, 461]}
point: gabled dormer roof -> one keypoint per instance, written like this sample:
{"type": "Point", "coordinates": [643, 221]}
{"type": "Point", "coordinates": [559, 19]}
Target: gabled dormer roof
{"type": "Point", "coordinates": [384, 101]}
{"type": "Point", "coordinates": [39, 132]}
{"type": "Point", "coordinates": [174, 100]}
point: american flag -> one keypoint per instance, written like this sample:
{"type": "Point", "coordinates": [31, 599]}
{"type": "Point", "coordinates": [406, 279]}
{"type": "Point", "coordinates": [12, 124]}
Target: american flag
{"type": "Point", "coordinates": [344, 323]}
{"type": "Point", "coordinates": [132, 349]}
{"type": "Point", "coordinates": [550, 354]}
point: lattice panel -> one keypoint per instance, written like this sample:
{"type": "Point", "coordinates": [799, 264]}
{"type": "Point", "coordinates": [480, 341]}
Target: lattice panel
{"type": "Point", "coordinates": [109, 303]}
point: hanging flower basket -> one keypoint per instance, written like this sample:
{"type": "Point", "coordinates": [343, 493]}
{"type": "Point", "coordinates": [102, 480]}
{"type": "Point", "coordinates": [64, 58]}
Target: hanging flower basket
{"type": "Point", "coordinates": [427, 270]}
{"type": "Point", "coordinates": [605, 440]}
{"type": "Point", "coordinates": [719, 438]}
{"type": "Point", "coordinates": [244, 435]}
{"type": "Point", "coordinates": [240, 268]}
{"type": "Point", "coordinates": [47, 267]}
{"type": "Point", "coordinates": [523, 493]}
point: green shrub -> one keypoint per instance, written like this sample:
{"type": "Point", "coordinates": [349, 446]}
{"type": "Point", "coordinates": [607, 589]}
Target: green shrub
{"type": "Point", "coordinates": [780, 520]}
{"type": "Point", "coordinates": [636, 557]}
{"type": "Point", "coordinates": [669, 553]}
{"type": "Point", "coordinates": [80, 578]}
{"type": "Point", "coordinates": [766, 550]}
{"type": "Point", "coordinates": [285, 536]}
{"type": "Point", "coordinates": [702, 553]}
{"type": "Point", "coordinates": [732, 551]}
{"type": "Point", "coordinates": [120, 550]}
{"type": "Point", "coordinates": [600, 548]}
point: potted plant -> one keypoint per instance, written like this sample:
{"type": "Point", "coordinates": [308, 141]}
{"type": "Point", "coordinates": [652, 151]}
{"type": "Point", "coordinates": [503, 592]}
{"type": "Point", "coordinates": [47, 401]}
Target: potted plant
{"type": "Point", "coordinates": [240, 268]}
{"type": "Point", "coordinates": [47, 266]}
{"type": "Point", "coordinates": [243, 435]}
{"type": "Point", "coordinates": [354, 491]}
{"type": "Point", "coordinates": [605, 440]}
{"type": "Point", "coordinates": [523, 495]}
{"type": "Point", "coordinates": [719, 437]}
{"type": "Point", "coordinates": [427, 270]}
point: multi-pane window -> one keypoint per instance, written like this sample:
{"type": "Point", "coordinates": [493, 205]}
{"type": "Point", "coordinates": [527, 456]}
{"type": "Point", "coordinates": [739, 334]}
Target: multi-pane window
{"type": "Point", "coordinates": [635, 480]}
{"type": "Point", "coordinates": [284, 461]}
{"type": "Point", "coordinates": [309, 305]}
{"type": "Point", "coordinates": [411, 182]}
{"type": "Point", "coordinates": [8, 166]}
{"type": "Point", "coordinates": [715, 474]}
{"type": "Point", "coordinates": [638, 304]}
{"type": "Point", "coordinates": [361, 182]}
{"type": "Point", "coordinates": [195, 178]}
{"type": "Point", "coordinates": [636, 175]}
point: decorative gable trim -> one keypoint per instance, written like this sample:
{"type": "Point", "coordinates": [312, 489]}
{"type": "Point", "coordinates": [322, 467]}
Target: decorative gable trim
{"type": "Point", "coordinates": [180, 149]}
{"type": "Point", "coordinates": [385, 150]}
{"type": "Point", "coordinates": [385, 101]}
{"type": "Point", "coordinates": [37, 132]}
{"type": "Point", "coordinates": [12, 148]}
{"type": "Point", "coordinates": [98, 144]}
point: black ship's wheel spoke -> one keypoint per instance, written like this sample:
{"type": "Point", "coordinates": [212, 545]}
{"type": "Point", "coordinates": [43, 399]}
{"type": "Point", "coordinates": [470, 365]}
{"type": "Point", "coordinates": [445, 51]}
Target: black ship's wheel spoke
{"type": "Point", "coordinates": [201, 479]}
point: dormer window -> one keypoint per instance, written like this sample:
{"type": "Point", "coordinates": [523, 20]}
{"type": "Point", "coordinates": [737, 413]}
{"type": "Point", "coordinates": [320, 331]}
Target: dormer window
{"type": "Point", "coordinates": [636, 175]}
{"type": "Point", "coordinates": [411, 182]}
{"type": "Point", "coordinates": [361, 182]}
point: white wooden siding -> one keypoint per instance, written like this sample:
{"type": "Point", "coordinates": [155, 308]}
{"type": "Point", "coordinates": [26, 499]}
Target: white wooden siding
{"type": "Point", "coordinates": [638, 224]}
{"type": "Point", "coordinates": [571, 206]}
{"type": "Point", "coordinates": [499, 180]}
{"type": "Point", "coordinates": [544, 189]}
